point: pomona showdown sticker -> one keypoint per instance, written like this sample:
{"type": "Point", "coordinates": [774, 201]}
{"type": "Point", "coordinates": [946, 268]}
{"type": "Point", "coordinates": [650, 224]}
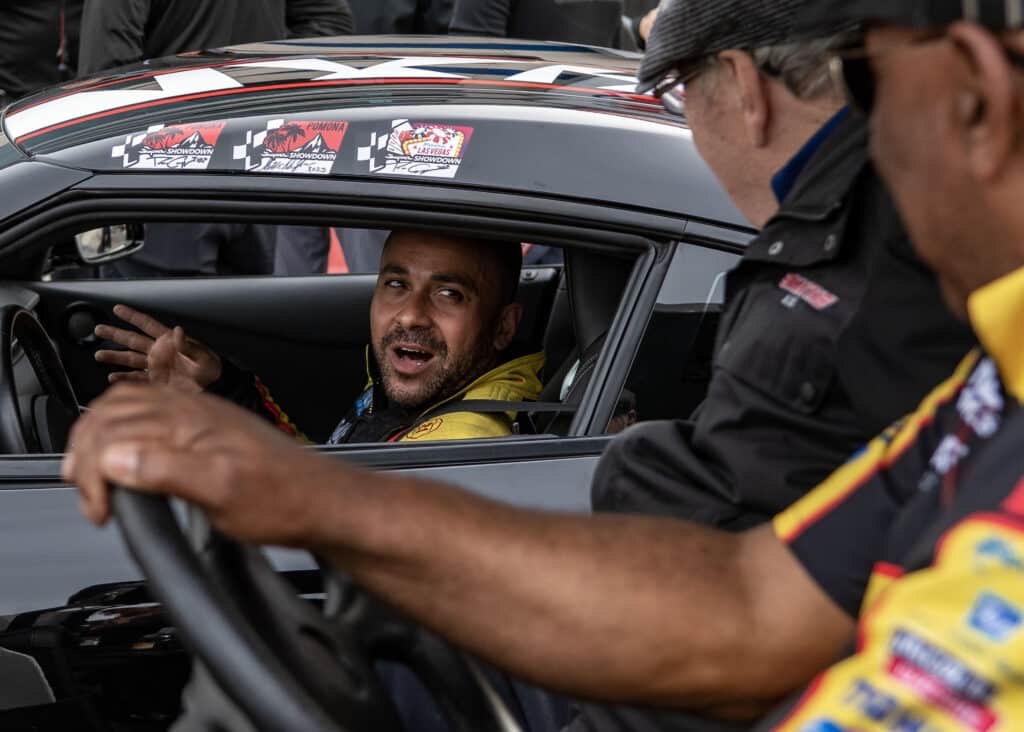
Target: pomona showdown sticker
{"type": "Point", "coordinates": [292, 146]}
{"type": "Point", "coordinates": [426, 149]}
{"type": "Point", "coordinates": [178, 147]}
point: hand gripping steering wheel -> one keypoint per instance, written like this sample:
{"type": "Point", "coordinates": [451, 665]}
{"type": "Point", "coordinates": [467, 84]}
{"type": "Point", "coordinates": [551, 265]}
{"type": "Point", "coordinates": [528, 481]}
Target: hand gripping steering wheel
{"type": "Point", "coordinates": [286, 665]}
{"type": "Point", "coordinates": [32, 420]}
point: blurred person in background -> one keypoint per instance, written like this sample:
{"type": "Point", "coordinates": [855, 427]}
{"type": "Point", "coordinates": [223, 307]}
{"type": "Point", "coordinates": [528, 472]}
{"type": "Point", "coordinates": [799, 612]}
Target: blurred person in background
{"type": "Point", "coordinates": [593, 22]}
{"type": "Point", "coordinates": [388, 17]}
{"type": "Point", "coordinates": [120, 32]}
{"type": "Point", "coordinates": [638, 19]}
{"type": "Point", "coordinates": [38, 45]}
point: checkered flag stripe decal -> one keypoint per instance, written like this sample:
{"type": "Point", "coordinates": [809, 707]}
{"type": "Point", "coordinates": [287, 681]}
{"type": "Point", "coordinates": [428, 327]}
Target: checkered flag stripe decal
{"type": "Point", "coordinates": [125, 151]}
{"type": "Point", "coordinates": [376, 152]}
{"type": "Point", "coordinates": [253, 140]}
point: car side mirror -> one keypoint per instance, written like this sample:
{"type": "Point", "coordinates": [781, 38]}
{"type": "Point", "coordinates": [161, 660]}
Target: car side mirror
{"type": "Point", "coordinates": [109, 243]}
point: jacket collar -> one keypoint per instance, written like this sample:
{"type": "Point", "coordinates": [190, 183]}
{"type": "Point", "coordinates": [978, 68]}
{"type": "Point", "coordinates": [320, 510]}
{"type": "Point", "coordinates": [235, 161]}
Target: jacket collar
{"type": "Point", "coordinates": [510, 381]}
{"type": "Point", "coordinates": [997, 314]}
{"type": "Point", "coordinates": [816, 202]}
{"type": "Point", "coordinates": [785, 179]}
{"type": "Point", "coordinates": [514, 380]}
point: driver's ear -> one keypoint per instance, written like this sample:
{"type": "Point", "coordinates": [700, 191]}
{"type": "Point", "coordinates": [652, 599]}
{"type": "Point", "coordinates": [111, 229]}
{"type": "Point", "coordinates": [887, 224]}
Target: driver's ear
{"type": "Point", "coordinates": [508, 324]}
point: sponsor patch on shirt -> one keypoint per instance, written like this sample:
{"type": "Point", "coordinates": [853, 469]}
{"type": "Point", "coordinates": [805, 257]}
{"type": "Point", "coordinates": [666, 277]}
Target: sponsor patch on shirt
{"type": "Point", "coordinates": [942, 679]}
{"type": "Point", "coordinates": [980, 406]}
{"type": "Point", "coordinates": [883, 709]}
{"type": "Point", "coordinates": [365, 402]}
{"type": "Point", "coordinates": [823, 725]}
{"type": "Point", "coordinates": [340, 432]}
{"type": "Point", "coordinates": [995, 552]}
{"type": "Point", "coordinates": [981, 402]}
{"type": "Point", "coordinates": [948, 454]}
{"type": "Point", "coordinates": [421, 149]}
{"type": "Point", "coordinates": [178, 147]}
{"type": "Point", "coordinates": [427, 428]}
{"type": "Point", "coordinates": [994, 617]}
{"type": "Point", "coordinates": [810, 292]}
{"type": "Point", "coordinates": [292, 146]}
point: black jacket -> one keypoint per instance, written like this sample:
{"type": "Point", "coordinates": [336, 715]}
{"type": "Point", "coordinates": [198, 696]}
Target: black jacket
{"type": "Point", "coordinates": [119, 32]}
{"type": "Point", "coordinates": [38, 45]}
{"type": "Point", "coordinates": [385, 17]}
{"type": "Point", "coordinates": [594, 22]}
{"type": "Point", "coordinates": [832, 330]}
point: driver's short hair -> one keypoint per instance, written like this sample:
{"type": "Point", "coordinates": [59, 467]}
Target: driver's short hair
{"type": "Point", "coordinates": [506, 255]}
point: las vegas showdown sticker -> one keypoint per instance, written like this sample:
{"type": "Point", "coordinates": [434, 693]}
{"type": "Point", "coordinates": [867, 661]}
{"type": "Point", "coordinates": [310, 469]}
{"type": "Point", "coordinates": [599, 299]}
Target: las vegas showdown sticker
{"type": "Point", "coordinates": [422, 149]}
{"type": "Point", "coordinates": [292, 146]}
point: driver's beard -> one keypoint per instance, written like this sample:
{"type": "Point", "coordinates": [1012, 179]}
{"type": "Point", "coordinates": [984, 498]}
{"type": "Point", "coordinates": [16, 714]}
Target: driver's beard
{"type": "Point", "coordinates": [445, 382]}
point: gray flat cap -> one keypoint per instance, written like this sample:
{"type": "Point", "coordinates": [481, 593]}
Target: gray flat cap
{"type": "Point", "coordinates": [688, 30]}
{"type": "Point", "coordinates": [996, 14]}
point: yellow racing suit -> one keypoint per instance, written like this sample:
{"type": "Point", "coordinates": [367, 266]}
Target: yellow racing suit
{"type": "Point", "coordinates": [921, 538]}
{"type": "Point", "coordinates": [372, 419]}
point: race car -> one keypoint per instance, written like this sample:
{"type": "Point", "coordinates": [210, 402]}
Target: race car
{"type": "Point", "coordinates": [541, 143]}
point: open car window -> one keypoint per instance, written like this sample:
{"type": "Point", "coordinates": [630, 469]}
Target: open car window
{"type": "Point", "coordinates": [670, 375]}
{"type": "Point", "coordinates": [288, 305]}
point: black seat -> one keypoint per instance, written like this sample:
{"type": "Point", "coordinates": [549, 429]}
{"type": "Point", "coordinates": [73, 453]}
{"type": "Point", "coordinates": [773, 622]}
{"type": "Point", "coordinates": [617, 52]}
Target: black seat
{"type": "Point", "coordinates": [537, 289]}
{"type": "Point", "coordinates": [584, 308]}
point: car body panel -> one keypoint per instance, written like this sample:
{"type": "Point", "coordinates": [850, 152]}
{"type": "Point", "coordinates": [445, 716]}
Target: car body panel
{"type": "Point", "coordinates": [512, 120]}
{"type": "Point", "coordinates": [33, 182]}
{"type": "Point", "coordinates": [50, 552]}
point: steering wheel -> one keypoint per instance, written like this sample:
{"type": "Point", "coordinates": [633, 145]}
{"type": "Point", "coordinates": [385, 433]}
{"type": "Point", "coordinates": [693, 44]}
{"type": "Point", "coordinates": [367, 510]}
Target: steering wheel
{"type": "Point", "coordinates": [283, 663]}
{"type": "Point", "coordinates": [38, 420]}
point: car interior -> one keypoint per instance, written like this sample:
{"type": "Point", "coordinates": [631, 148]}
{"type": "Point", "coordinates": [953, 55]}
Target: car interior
{"type": "Point", "coordinates": [305, 333]}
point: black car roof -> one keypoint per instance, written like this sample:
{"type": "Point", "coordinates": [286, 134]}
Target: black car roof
{"type": "Point", "coordinates": [559, 119]}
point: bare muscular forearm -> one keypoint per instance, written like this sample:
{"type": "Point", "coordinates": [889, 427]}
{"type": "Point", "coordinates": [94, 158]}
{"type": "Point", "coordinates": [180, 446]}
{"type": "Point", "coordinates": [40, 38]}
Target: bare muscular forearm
{"type": "Point", "coordinates": [616, 608]}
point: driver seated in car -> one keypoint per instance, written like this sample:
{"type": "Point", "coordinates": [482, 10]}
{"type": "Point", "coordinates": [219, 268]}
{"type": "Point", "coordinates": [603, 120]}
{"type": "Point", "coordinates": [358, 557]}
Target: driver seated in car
{"type": "Point", "coordinates": [442, 318]}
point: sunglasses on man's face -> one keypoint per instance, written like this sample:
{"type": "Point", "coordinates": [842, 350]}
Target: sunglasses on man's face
{"type": "Point", "coordinates": [852, 71]}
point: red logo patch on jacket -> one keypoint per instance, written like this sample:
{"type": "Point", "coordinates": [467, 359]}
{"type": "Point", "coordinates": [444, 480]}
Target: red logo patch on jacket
{"type": "Point", "coordinates": [810, 292]}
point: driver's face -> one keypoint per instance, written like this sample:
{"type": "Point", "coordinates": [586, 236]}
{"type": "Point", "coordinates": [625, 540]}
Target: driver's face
{"type": "Point", "coordinates": [433, 317]}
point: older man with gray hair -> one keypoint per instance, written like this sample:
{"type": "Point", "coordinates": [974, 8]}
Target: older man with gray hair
{"type": "Point", "coordinates": [832, 328]}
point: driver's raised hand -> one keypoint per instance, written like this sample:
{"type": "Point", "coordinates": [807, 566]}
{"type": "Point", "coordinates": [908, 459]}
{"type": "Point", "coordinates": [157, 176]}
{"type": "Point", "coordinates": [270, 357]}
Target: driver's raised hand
{"type": "Point", "coordinates": [157, 354]}
{"type": "Point", "coordinates": [255, 483]}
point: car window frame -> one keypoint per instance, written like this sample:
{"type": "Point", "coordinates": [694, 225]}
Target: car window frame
{"type": "Point", "coordinates": [531, 217]}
